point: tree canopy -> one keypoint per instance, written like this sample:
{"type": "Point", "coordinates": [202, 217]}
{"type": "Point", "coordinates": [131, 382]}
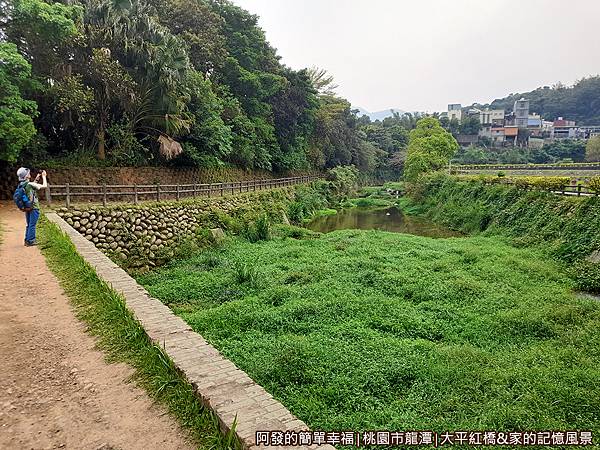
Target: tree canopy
{"type": "Point", "coordinates": [430, 148]}
{"type": "Point", "coordinates": [187, 82]}
{"type": "Point", "coordinates": [592, 149]}
{"type": "Point", "coordinates": [16, 113]}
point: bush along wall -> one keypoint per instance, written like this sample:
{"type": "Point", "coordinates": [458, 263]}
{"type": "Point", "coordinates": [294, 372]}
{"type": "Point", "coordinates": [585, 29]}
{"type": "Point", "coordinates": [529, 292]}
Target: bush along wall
{"type": "Point", "coordinates": [567, 227]}
{"type": "Point", "coordinates": [142, 236]}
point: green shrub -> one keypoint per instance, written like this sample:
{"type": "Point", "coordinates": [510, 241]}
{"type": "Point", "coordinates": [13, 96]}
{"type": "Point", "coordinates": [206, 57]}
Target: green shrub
{"type": "Point", "coordinates": [594, 185]}
{"type": "Point", "coordinates": [185, 247]}
{"type": "Point", "coordinates": [210, 261]}
{"type": "Point", "coordinates": [550, 183]}
{"type": "Point", "coordinates": [587, 276]}
{"type": "Point", "coordinates": [220, 219]}
{"type": "Point", "coordinates": [294, 232]}
{"type": "Point", "coordinates": [246, 274]}
{"type": "Point", "coordinates": [262, 229]}
{"type": "Point", "coordinates": [296, 212]}
{"type": "Point", "coordinates": [125, 148]}
{"type": "Point", "coordinates": [369, 190]}
{"type": "Point", "coordinates": [258, 230]}
{"type": "Point", "coordinates": [342, 182]}
{"type": "Point", "coordinates": [325, 212]}
{"type": "Point", "coordinates": [527, 182]}
{"type": "Point", "coordinates": [308, 200]}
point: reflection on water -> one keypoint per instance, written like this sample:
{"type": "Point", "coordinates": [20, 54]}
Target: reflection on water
{"type": "Point", "coordinates": [390, 219]}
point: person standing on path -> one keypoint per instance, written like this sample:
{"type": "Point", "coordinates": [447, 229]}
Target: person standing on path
{"type": "Point", "coordinates": [31, 188]}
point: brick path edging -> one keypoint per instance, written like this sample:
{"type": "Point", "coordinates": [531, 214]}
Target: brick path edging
{"type": "Point", "coordinates": [220, 385]}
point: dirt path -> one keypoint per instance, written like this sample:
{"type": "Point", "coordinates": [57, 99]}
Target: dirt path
{"type": "Point", "coordinates": [56, 390]}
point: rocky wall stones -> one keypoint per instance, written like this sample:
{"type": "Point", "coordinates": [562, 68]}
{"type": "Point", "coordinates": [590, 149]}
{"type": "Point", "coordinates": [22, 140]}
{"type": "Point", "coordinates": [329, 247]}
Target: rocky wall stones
{"type": "Point", "coordinates": [139, 234]}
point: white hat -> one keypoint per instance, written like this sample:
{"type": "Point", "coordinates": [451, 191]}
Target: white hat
{"type": "Point", "coordinates": [22, 173]}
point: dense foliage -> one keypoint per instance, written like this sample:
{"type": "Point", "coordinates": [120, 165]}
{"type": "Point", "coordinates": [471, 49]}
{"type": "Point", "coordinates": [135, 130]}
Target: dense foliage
{"type": "Point", "coordinates": [547, 183]}
{"type": "Point", "coordinates": [430, 148]}
{"type": "Point", "coordinates": [391, 136]}
{"type": "Point", "coordinates": [592, 149]}
{"type": "Point", "coordinates": [567, 226]}
{"type": "Point", "coordinates": [138, 82]}
{"type": "Point", "coordinates": [551, 152]}
{"type": "Point", "coordinates": [373, 330]}
{"type": "Point", "coordinates": [580, 102]}
{"type": "Point", "coordinates": [16, 113]}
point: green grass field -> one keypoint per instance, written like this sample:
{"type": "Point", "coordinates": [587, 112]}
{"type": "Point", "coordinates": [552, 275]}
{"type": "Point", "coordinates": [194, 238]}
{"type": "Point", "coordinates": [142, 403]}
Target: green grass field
{"type": "Point", "coordinates": [375, 330]}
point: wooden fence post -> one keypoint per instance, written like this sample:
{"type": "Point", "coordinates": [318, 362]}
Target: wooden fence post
{"type": "Point", "coordinates": [104, 195]}
{"type": "Point", "coordinates": [177, 192]}
{"type": "Point", "coordinates": [209, 190]}
{"type": "Point", "coordinates": [194, 194]}
{"type": "Point", "coordinates": [158, 192]}
{"type": "Point", "coordinates": [222, 189]}
{"type": "Point", "coordinates": [578, 190]}
{"type": "Point", "coordinates": [68, 198]}
{"type": "Point", "coordinates": [48, 195]}
{"type": "Point", "coordinates": [135, 194]}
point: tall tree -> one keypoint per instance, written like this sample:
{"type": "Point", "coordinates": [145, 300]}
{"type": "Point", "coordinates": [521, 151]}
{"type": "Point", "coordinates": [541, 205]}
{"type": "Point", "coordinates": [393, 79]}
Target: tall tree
{"type": "Point", "coordinates": [322, 81]}
{"type": "Point", "coordinates": [430, 148]}
{"type": "Point", "coordinates": [592, 149]}
{"type": "Point", "coordinates": [16, 124]}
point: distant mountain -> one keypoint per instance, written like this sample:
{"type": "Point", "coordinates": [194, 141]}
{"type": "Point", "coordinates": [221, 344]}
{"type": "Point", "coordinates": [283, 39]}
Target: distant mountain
{"type": "Point", "coordinates": [379, 115]}
{"type": "Point", "coordinates": [580, 102]}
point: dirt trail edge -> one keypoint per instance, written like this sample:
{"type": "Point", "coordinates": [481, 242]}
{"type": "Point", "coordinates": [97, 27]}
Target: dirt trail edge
{"type": "Point", "coordinates": [57, 391]}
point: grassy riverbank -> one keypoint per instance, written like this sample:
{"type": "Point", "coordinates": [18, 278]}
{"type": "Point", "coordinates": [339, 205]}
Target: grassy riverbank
{"type": "Point", "coordinates": [367, 329]}
{"type": "Point", "coordinates": [568, 227]}
{"type": "Point", "coordinates": [565, 228]}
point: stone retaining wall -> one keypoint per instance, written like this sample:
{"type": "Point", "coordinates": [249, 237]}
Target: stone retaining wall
{"type": "Point", "coordinates": [141, 234]}
{"type": "Point", "coordinates": [221, 386]}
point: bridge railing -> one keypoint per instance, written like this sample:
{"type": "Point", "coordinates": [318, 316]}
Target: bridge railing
{"type": "Point", "coordinates": [143, 192]}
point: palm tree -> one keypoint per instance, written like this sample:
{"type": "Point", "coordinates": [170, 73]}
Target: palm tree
{"type": "Point", "coordinates": [154, 58]}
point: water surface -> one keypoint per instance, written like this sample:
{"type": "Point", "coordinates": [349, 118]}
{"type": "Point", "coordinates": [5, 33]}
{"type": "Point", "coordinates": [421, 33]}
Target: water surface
{"type": "Point", "coordinates": [389, 219]}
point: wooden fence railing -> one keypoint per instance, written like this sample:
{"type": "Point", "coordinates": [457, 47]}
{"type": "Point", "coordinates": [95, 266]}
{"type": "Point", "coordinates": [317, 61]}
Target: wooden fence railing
{"type": "Point", "coordinates": [138, 192]}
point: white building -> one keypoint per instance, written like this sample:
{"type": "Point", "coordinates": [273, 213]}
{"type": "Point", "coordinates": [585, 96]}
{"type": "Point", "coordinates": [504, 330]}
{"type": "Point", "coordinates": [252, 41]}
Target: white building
{"type": "Point", "coordinates": [455, 111]}
{"type": "Point", "coordinates": [521, 111]}
{"type": "Point", "coordinates": [492, 117]}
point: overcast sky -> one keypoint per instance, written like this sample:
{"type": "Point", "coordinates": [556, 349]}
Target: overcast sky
{"type": "Point", "coordinates": [422, 55]}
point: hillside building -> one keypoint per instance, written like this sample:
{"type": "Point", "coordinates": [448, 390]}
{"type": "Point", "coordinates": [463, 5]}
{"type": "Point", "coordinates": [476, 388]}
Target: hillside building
{"type": "Point", "coordinates": [521, 111]}
{"type": "Point", "coordinates": [517, 127]}
{"type": "Point", "coordinates": [564, 129]}
{"type": "Point", "coordinates": [455, 111]}
{"type": "Point", "coordinates": [494, 117]}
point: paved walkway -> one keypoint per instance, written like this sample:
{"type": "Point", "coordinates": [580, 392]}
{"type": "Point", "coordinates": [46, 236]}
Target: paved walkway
{"type": "Point", "coordinates": [56, 390]}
